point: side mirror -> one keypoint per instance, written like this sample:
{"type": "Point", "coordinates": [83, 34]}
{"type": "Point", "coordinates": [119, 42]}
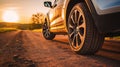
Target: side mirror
{"type": "Point", "coordinates": [54, 5]}
{"type": "Point", "coordinates": [48, 4]}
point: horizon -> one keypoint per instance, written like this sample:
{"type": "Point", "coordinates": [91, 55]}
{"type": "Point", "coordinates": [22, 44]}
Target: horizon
{"type": "Point", "coordinates": [23, 10]}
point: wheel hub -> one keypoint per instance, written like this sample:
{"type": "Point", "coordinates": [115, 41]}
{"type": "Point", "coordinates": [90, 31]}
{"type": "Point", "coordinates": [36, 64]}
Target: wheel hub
{"type": "Point", "coordinates": [76, 30]}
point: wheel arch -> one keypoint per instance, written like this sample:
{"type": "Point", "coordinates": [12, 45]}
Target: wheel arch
{"type": "Point", "coordinates": [47, 19]}
{"type": "Point", "coordinates": [71, 3]}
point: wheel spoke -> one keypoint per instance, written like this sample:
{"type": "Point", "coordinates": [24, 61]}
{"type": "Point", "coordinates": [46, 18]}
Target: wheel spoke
{"type": "Point", "coordinates": [73, 20]}
{"type": "Point", "coordinates": [81, 37]}
{"type": "Point", "coordinates": [77, 44]}
{"type": "Point", "coordinates": [75, 17]}
{"type": "Point", "coordinates": [78, 20]}
{"type": "Point", "coordinates": [81, 25]}
{"type": "Point", "coordinates": [71, 34]}
{"type": "Point", "coordinates": [46, 34]}
{"type": "Point", "coordinates": [71, 26]}
{"type": "Point", "coordinates": [73, 41]}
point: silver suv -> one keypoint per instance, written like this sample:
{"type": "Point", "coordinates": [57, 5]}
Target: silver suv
{"type": "Point", "coordinates": [86, 22]}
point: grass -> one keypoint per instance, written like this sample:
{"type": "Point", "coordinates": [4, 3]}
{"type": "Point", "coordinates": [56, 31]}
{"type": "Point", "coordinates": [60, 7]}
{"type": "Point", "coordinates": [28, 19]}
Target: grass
{"type": "Point", "coordinates": [117, 38]}
{"type": "Point", "coordinates": [37, 30]}
{"type": "Point", "coordinates": [2, 30]}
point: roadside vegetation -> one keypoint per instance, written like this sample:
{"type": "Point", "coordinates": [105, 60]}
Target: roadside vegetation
{"type": "Point", "coordinates": [117, 38]}
{"type": "Point", "coordinates": [2, 30]}
{"type": "Point", "coordinates": [37, 30]}
{"type": "Point", "coordinates": [6, 27]}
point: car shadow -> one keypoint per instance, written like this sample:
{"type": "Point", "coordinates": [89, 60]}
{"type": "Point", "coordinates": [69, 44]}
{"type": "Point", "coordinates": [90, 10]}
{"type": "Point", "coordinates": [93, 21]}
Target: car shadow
{"type": "Point", "coordinates": [61, 42]}
{"type": "Point", "coordinates": [109, 52]}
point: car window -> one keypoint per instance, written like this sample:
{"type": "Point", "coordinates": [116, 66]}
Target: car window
{"type": "Point", "coordinates": [59, 1]}
{"type": "Point", "coordinates": [55, 2]}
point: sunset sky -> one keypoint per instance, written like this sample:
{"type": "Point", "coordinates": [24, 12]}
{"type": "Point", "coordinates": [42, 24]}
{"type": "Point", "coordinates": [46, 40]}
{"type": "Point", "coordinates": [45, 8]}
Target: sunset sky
{"type": "Point", "coordinates": [21, 9]}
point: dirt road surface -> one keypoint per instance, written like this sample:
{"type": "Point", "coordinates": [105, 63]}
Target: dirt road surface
{"type": "Point", "coordinates": [30, 49]}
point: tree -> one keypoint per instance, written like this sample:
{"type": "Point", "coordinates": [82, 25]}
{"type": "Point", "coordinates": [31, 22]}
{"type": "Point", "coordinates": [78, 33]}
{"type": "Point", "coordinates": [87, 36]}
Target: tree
{"type": "Point", "coordinates": [38, 18]}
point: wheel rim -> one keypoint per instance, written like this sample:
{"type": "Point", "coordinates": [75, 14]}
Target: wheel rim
{"type": "Point", "coordinates": [76, 29]}
{"type": "Point", "coordinates": [46, 30]}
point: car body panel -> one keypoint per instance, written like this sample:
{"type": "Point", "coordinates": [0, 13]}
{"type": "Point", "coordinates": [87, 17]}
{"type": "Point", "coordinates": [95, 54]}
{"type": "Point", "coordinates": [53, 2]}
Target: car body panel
{"type": "Point", "coordinates": [106, 7]}
{"type": "Point", "coordinates": [55, 17]}
{"type": "Point", "coordinates": [106, 18]}
{"type": "Point", "coordinates": [104, 13]}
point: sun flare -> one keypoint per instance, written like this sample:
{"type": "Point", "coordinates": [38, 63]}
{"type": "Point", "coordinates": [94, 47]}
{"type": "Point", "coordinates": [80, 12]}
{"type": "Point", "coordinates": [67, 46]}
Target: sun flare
{"type": "Point", "coordinates": [10, 16]}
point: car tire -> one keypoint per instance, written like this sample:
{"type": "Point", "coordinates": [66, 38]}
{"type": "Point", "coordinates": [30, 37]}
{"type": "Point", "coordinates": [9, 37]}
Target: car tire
{"type": "Point", "coordinates": [84, 37]}
{"type": "Point", "coordinates": [46, 32]}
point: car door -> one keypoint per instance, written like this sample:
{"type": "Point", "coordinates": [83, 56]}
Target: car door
{"type": "Point", "coordinates": [51, 15]}
{"type": "Point", "coordinates": [58, 8]}
{"type": "Point", "coordinates": [58, 21]}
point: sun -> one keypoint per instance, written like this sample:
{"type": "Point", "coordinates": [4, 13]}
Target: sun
{"type": "Point", "coordinates": [10, 16]}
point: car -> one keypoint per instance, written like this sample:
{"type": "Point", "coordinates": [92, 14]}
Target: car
{"type": "Point", "coordinates": [86, 22]}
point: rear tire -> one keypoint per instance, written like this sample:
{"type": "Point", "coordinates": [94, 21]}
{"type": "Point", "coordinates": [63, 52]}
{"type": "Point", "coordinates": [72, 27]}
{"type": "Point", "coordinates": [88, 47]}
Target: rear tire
{"type": "Point", "coordinates": [84, 37]}
{"type": "Point", "coordinates": [46, 32]}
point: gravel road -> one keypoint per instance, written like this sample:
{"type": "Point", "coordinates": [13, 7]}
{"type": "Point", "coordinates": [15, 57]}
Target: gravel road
{"type": "Point", "coordinates": [30, 49]}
